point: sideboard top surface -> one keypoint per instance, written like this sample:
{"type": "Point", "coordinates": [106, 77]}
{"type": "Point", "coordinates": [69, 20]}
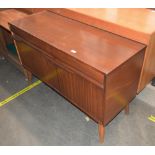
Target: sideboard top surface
{"type": "Point", "coordinates": [100, 49]}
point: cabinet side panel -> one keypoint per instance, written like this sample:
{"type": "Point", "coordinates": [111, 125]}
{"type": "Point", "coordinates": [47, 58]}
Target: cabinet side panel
{"type": "Point", "coordinates": [148, 71]}
{"type": "Point", "coordinates": [121, 86]}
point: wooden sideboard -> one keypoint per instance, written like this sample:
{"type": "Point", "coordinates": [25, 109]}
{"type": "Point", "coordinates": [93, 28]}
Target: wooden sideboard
{"type": "Point", "coordinates": [139, 26]}
{"type": "Point", "coordinates": [133, 23]}
{"type": "Point", "coordinates": [95, 70]}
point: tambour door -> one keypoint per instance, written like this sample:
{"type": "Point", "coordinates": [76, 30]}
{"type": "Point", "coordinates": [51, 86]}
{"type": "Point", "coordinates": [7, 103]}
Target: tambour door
{"type": "Point", "coordinates": [82, 93]}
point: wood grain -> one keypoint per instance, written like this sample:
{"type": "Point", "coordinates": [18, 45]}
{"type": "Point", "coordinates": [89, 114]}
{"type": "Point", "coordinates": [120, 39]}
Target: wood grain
{"type": "Point", "coordinates": [84, 94]}
{"type": "Point", "coordinates": [100, 47]}
{"type": "Point", "coordinates": [138, 26]}
{"type": "Point", "coordinates": [45, 71]}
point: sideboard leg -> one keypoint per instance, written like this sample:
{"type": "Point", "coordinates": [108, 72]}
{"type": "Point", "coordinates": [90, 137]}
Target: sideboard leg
{"type": "Point", "coordinates": [153, 82]}
{"type": "Point", "coordinates": [101, 131]}
{"type": "Point", "coordinates": [127, 109]}
{"type": "Point", "coordinates": [28, 75]}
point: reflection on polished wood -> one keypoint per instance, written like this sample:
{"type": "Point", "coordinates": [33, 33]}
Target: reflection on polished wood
{"type": "Point", "coordinates": [95, 70]}
{"type": "Point", "coordinates": [135, 24]}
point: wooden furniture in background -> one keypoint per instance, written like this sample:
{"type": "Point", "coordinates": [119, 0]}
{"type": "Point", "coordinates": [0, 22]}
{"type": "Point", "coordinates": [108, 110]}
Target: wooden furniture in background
{"type": "Point", "coordinates": [31, 10]}
{"type": "Point", "coordinates": [8, 49]}
{"type": "Point", "coordinates": [95, 70]}
{"type": "Point", "coordinates": [9, 15]}
{"type": "Point", "coordinates": [135, 24]}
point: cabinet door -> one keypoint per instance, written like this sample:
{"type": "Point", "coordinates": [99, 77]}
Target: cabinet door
{"type": "Point", "coordinates": [35, 61]}
{"type": "Point", "coordinates": [82, 93]}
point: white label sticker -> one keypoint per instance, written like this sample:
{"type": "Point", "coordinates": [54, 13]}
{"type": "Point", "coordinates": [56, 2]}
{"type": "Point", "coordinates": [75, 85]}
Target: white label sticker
{"type": "Point", "coordinates": [73, 51]}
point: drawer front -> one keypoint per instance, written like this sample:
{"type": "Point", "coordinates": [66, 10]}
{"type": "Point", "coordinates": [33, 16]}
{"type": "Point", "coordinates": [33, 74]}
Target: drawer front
{"type": "Point", "coordinates": [78, 67]}
{"type": "Point", "coordinates": [35, 62]}
{"type": "Point", "coordinates": [82, 93]}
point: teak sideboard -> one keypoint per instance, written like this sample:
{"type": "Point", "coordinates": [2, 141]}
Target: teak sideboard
{"type": "Point", "coordinates": [139, 26]}
{"type": "Point", "coordinates": [95, 70]}
{"type": "Point", "coordinates": [134, 23]}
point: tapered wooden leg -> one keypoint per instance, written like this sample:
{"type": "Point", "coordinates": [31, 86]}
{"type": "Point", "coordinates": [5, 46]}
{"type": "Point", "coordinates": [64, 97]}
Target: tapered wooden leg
{"type": "Point", "coordinates": [101, 131]}
{"type": "Point", "coordinates": [127, 109]}
{"type": "Point", "coordinates": [28, 76]}
{"type": "Point", "coordinates": [153, 82]}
